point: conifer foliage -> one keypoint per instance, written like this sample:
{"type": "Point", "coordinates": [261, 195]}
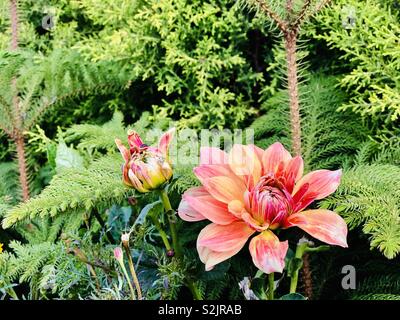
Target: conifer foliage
{"type": "Point", "coordinates": [320, 77]}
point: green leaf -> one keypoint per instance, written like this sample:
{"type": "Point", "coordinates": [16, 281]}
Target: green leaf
{"type": "Point", "coordinates": [289, 256]}
{"type": "Point", "coordinates": [152, 208]}
{"type": "Point", "coordinates": [259, 274]}
{"type": "Point", "coordinates": [67, 158]}
{"type": "Point", "coordinates": [293, 296]}
{"type": "Point", "coordinates": [317, 249]}
{"type": "Point", "coordinates": [118, 220]}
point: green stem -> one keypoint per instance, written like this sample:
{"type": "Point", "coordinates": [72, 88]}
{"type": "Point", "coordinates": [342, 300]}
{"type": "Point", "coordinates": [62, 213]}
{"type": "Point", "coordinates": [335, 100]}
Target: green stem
{"type": "Point", "coordinates": [162, 233]}
{"type": "Point", "coordinates": [103, 225]}
{"type": "Point", "coordinates": [271, 286]}
{"type": "Point", "coordinates": [175, 241]}
{"type": "Point", "coordinates": [128, 280]}
{"type": "Point", "coordinates": [300, 249]}
{"type": "Point", "coordinates": [133, 273]}
{"type": "Point", "coordinates": [172, 222]}
{"type": "Point", "coordinates": [194, 290]}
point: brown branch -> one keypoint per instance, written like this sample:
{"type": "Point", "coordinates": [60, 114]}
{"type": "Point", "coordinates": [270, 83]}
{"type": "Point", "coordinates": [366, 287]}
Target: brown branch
{"type": "Point", "coordinates": [302, 15]}
{"type": "Point", "coordinates": [307, 277]}
{"type": "Point", "coordinates": [322, 4]}
{"type": "Point", "coordinates": [291, 60]}
{"type": "Point", "coordinates": [273, 15]}
{"type": "Point", "coordinates": [14, 24]}
{"type": "Point", "coordinates": [17, 133]}
{"type": "Point", "coordinates": [309, 13]}
{"type": "Point", "coordinates": [289, 7]}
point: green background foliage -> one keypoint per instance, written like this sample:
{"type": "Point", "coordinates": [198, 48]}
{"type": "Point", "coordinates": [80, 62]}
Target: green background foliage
{"type": "Point", "coordinates": [107, 66]}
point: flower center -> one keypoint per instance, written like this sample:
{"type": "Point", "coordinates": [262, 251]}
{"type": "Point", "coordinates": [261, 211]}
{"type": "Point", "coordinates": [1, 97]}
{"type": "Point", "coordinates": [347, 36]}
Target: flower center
{"type": "Point", "coordinates": [268, 202]}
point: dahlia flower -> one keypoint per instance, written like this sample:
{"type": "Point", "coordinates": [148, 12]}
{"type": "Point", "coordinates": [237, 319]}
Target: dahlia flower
{"type": "Point", "coordinates": [251, 191]}
{"type": "Point", "coordinates": [146, 168]}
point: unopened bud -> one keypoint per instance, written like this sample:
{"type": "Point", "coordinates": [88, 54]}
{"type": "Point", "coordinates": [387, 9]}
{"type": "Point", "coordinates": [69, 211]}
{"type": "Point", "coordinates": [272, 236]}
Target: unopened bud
{"type": "Point", "coordinates": [170, 253]}
{"type": "Point", "coordinates": [146, 168]}
{"type": "Point", "coordinates": [118, 254]}
{"type": "Point", "coordinates": [132, 201]}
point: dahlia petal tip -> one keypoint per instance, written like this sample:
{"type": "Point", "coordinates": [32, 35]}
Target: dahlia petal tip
{"type": "Point", "coordinates": [268, 252]}
{"type": "Point", "coordinates": [324, 225]}
{"type": "Point", "coordinates": [165, 141]}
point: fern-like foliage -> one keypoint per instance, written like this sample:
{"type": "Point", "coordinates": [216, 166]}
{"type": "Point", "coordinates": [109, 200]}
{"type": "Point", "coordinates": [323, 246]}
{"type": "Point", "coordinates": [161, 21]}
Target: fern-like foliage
{"type": "Point", "coordinates": [377, 296]}
{"type": "Point", "coordinates": [75, 190]}
{"type": "Point", "coordinates": [94, 137]}
{"type": "Point", "coordinates": [369, 196]}
{"type": "Point", "coordinates": [330, 138]}
{"type": "Point", "coordinates": [43, 81]}
{"type": "Point", "coordinates": [9, 188]}
{"type": "Point", "coordinates": [8, 178]}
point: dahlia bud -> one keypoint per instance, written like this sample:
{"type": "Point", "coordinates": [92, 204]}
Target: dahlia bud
{"type": "Point", "coordinates": [119, 255]}
{"type": "Point", "coordinates": [132, 201]}
{"type": "Point", "coordinates": [146, 168]}
{"type": "Point", "coordinates": [170, 253]}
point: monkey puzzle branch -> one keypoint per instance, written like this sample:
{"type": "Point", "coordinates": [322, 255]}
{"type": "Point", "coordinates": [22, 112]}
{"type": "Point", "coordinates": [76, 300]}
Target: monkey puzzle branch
{"type": "Point", "coordinates": [17, 134]}
{"type": "Point", "coordinates": [290, 47]}
{"type": "Point", "coordinates": [280, 23]}
{"type": "Point", "coordinates": [14, 24]}
{"type": "Point", "coordinates": [23, 172]}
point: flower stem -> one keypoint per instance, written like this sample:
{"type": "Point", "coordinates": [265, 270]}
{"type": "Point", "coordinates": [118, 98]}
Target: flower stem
{"type": "Point", "coordinates": [162, 233]}
{"type": "Point", "coordinates": [300, 249]}
{"type": "Point", "coordinates": [133, 273]}
{"type": "Point", "coordinates": [103, 225]}
{"type": "Point", "coordinates": [172, 222]}
{"type": "Point", "coordinates": [194, 290]}
{"type": "Point", "coordinates": [128, 280]}
{"type": "Point", "coordinates": [271, 286]}
{"type": "Point", "coordinates": [175, 241]}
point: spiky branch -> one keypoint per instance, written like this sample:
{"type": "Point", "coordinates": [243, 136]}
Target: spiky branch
{"type": "Point", "coordinates": [17, 134]}
{"type": "Point", "coordinates": [290, 28]}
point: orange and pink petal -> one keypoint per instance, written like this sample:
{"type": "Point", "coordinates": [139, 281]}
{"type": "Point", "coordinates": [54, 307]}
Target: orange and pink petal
{"type": "Point", "coordinates": [214, 249]}
{"type": "Point", "coordinates": [224, 189]}
{"type": "Point", "coordinates": [290, 172]}
{"type": "Point", "coordinates": [268, 252]}
{"type": "Point", "coordinates": [165, 141]}
{"type": "Point", "coordinates": [273, 156]}
{"type": "Point", "coordinates": [185, 210]}
{"type": "Point", "coordinates": [212, 155]}
{"type": "Point", "coordinates": [206, 171]}
{"type": "Point", "coordinates": [223, 238]}
{"type": "Point", "coordinates": [134, 140]}
{"type": "Point", "coordinates": [321, 183]}
{"type": "Point", "coordinates": [212, 209]}
{"type": "Point", "coordinates": [324, 225]}
{"type": "Point", "coordinates": [245, 163]}
{"type": "Point", "coordinates": [123, 150]}
{"type": "Point", "coordinates": [211, 258]}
